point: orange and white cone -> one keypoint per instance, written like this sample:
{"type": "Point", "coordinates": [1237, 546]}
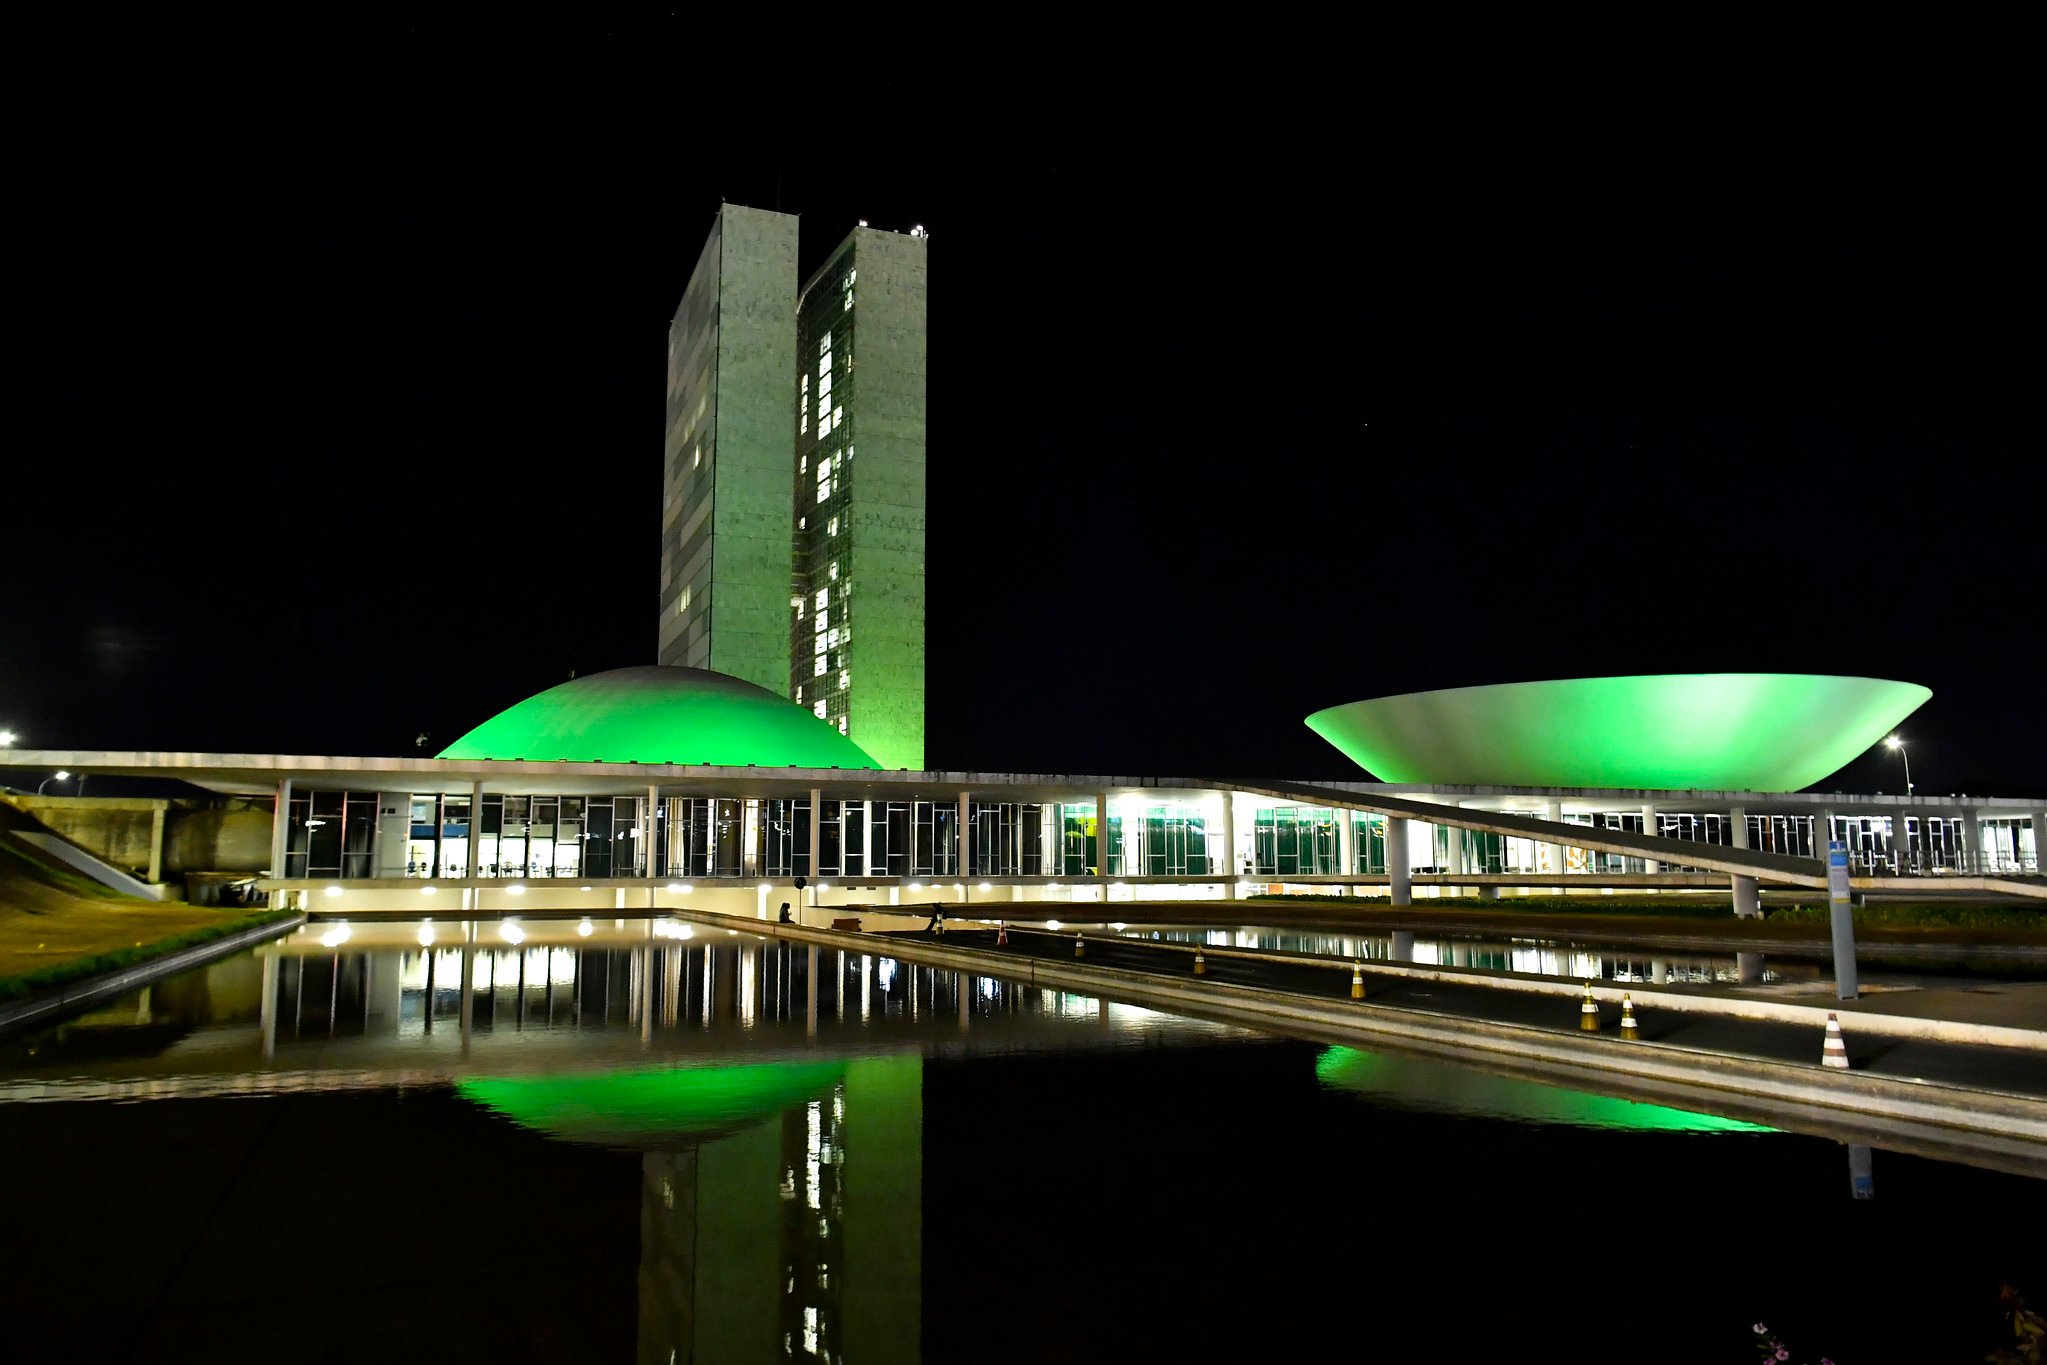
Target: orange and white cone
{"type": "Point", "coordinates": [1001, 934]}
{"type": "Point", "coordinates": [1079, 944]}
{"type": "Point", "coordinates": [1357, 981]}
{"type": "Point", "coordinates": [1200, 963]}
{"type": "Point", "coordinates": [1628, 1030]}
{"type": "Point", "coordinates": [1835, 1053]}
{"type": "Point", "coordinates": [1588, 1013]}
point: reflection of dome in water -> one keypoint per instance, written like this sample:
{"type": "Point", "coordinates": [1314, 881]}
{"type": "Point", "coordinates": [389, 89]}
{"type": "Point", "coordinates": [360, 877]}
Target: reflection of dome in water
{"type": "Point", "coordinates": [653, 1109]}
{"type": "Point", "coordinates": [1450, 1089]}
{"type": "Point", "coordinates": [659, 714]}
{"type": "Point", "coordinates": [1765, 732]}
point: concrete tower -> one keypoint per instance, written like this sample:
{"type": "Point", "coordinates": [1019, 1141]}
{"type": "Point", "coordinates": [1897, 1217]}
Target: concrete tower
{"type": "Point", "coordinates": [856, 606]}
{"type": "Point", "coordinates": [725, 516]}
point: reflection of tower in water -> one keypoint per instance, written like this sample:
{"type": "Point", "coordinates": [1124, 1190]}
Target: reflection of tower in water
{"type": "Point", "coordinates": [798, 1238]}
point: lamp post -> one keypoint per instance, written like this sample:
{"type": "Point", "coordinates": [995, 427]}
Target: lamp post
{"type": "Point", "coordinates": [8, 739]}
{"type": "Point", "coordinates": [1899, 745]}
{"type": "Point", "coordinates": [58, 776]}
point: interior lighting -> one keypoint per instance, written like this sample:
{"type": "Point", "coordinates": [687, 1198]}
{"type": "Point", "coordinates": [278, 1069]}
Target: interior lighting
{"type": "Point", "coordinates": [916, 886]}
{"type": "Point", "coordinates": [1119, 926]}
{"type": "Point", "coordinates": [333, 890]}
{"type": "Point", "coordinates": [511, 933]}
{"type": "Point", "coordinates": [677, 889]}
{"type": "Point", "coordinates": [515, 890]}
{"type": "Point", "coordinates": [767, 886]}
{"type": "Point", "coordinates": [335, 937]}
{"type": "Point", "coordinates": [1052, 924]}
{"type": "Point", "coordinates": [426, 936]}
{"type": "Point", "coordinates": [585, 929]}
{"type": "Point", "coordinates": [426, 890]}
{"type": "Point", "coordinates": [986, 886]}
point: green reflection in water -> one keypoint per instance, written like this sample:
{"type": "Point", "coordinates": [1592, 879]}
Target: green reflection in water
{"type": "Point", "coordinates": [648, 1107]}
{"type": "Point", "coordinates": [1452, 1089]}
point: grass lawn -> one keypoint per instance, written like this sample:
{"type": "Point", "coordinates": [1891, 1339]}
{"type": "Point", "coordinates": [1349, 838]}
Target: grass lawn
{"type": "Point", "coordinates": [56, 926]}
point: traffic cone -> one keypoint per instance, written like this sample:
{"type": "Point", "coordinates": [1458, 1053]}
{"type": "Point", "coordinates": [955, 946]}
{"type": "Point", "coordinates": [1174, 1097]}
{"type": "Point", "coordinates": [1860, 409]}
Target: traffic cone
{"type": "Point", "coordinates": [1357, 981]}
{"type": "Point", "coordinates": [1628, 1030]}
{"type": "Point", "coordinates": [1588, 1013]}
{"type": "Point", "coordinates": [1835, 1053]}
{"type": "Point", "coordinates": [1079, 944]}
{"type": "Point", "coordinates": [1200, 963]}
{"type": "Point", "coordinates": [1001, 934]}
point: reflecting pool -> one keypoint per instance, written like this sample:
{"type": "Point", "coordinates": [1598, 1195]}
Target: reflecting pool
{"type": "Point", "coordinates": [610, 1146]}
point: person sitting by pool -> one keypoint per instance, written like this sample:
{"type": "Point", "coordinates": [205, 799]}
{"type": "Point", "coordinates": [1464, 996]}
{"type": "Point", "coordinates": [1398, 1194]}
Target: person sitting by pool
{"type": "Point", "coordinates": [785, 917]}
{"type": "Point", "coordinates": [937, 925]}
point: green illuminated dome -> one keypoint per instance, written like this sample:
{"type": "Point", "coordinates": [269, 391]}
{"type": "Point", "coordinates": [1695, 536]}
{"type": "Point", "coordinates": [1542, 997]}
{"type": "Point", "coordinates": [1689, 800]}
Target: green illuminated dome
{"type": "Point", "coordinates": [1763, 732]}
{"type": "Point", "coordinates": [654, 1108]}
{"type": "Point", "coordinates": [661, 715]}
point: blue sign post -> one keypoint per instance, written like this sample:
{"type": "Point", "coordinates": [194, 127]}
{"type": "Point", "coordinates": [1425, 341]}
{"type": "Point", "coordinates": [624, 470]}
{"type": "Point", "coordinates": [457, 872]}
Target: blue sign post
{"type": "Point", "coordinates": [1841, 907]}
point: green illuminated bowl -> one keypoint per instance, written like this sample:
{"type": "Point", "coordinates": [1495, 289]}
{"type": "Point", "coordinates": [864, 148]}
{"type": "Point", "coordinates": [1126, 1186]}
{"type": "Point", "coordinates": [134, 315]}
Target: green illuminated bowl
{"type": "Point", "coordinates": [1762, 732]}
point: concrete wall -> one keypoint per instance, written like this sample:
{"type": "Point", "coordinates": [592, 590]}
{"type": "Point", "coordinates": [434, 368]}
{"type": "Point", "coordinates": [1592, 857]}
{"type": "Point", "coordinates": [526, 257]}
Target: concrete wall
{"type": "Point", "coordinates": [198, 836]}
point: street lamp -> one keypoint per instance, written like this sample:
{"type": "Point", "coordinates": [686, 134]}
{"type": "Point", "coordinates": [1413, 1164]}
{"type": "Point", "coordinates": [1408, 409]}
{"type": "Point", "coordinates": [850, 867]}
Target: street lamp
{"type": "Point", "coordinates": [7, 739]}
{"type": "Point", "coordinates": [1898, 744]}
{"type": "Point", "coordinates": [59, 776]}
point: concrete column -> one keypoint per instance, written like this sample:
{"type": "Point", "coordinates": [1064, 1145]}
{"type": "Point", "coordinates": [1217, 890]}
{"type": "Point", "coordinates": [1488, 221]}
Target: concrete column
{"type": "Point", "coordinates": [1399, 869]}
{"type": "Point", "coordinates": [1737, 819]}
{"type": "Point", "coordinates": [816, 838]}
{"type": "Point", "coordinates": [1972, 839]}
{"type": "Point", "coordinates": [1822, 831]}
{"type": "Point", "coordinates": [1453, 839]}
{"type": "Point", "coordinates": [156, 814]}
{"type": "Point", "coordinates": [1230, 845]}
{"type": "Point", "coordinates": [1553, 810]}
{"type": "Point", "coordinates": [2040, 841]}
{"type": "Point", "coordinates": [1901, 840]}
{"type": "Point", "coordinates": [280, 839]}
{"type": "Point", "coordinates": [1748, 967]}
{"type": "Point", "coordinates": [1102, 844]}
{"type": "Point", "coordinates": [1346, 841]}
{"type": "Point", "coordinates": [649, 856]}
{"type": "Point", "coordinates": [1649, 828]}
{"type": "Point", "coordinates": [1747, 899]}
{"type": "Point", "coordinates": [475, 827]}
{"type": "Point", "coordinates": [962, 868]}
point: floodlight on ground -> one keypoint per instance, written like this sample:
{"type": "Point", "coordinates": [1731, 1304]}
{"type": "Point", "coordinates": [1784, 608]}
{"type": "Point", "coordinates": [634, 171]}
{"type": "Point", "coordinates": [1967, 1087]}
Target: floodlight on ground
{"type": "Point", "coordinates": [585, 929]}
{"type": "Point", "coordinates": [426, 936]}
{"type": "Point", "coordinates": [511, 933]}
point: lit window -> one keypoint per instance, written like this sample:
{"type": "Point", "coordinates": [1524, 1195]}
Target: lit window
{"type": "Point", "coordinates": [824, 386]}
{"type": "Point", "coordinates": [849, 452]}
{"type": "Point", "coordinates": [845, 679]}
{"type": "Point", "coordinates": [842, 725]}
{"type": "Point", "coordinates": [803, 421]}
{"type": "Point", "coordinates": [805, 391]}
{"type": "Point", "coordinates": [803, 464]}
{"type": "Point", "coordinates": [697, 459]}
{"type": "Point", "coordinates": [803, 523]}
{"type": "Point", "coordinates": [838, 415]}
{"type": "Point", "coordinates": [851, 275]}
{"type": "Point", "coordinates": [833, 528]}
{"type": "Point", "coordinates": [834, 573]}
{"type": "Point", "coordinates": [799, 694]}
{"type": "Point", "coordinates": [824, 618]}
{"type": "Point", "coordinates": [849, 302]}
{"type": "Point", "coordinates": [818, 710]}
{"type": "Point", "coordinates": [682, 602]}
{"type": "Point", "coordinates": [824, 489]}
{"type": "Point", "coordinates": [830, 637]}
{"type": "Point", "coordinates": [819, 670]}
{"type": "Point", "coordinates": [820, 598]}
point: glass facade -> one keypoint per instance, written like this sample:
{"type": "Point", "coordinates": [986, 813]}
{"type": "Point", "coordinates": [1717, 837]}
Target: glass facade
{"type": "Point", "coordinates": [821, 570]}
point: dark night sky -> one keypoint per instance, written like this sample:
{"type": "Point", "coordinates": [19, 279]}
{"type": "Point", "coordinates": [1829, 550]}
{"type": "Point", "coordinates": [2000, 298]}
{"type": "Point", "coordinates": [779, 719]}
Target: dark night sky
{"type": "Point", "coordinates": [310, 453]}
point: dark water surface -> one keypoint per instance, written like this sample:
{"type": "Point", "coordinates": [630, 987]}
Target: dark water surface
{"type": "Point", "coordinates": [925, 1168]}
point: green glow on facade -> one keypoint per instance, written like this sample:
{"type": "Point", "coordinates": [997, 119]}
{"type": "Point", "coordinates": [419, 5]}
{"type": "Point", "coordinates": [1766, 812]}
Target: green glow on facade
{"type": "Point", "coordinates": [1450, 1089]}
{"type": "Point", "coordinates": [635, 1108]}
{"type": "Point", "coordinates": [661, 715]}
{"type": "Point", "coordinates": [1762, 732]}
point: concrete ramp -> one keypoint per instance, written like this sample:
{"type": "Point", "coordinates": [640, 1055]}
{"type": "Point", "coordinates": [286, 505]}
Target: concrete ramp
{"type": "Point", "coordinates": [78, 860]}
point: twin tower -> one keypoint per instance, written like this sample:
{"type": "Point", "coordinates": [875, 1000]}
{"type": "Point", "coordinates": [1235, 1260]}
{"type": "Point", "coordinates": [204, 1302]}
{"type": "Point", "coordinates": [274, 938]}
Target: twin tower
{"type": "Point", "coordinates": [792, 510]}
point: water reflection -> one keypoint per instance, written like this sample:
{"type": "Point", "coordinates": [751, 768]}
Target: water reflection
{"type": "Point", "coordinates": [1568, 960]}
{"type": "Point", "coordinates": [1413, 1084]}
